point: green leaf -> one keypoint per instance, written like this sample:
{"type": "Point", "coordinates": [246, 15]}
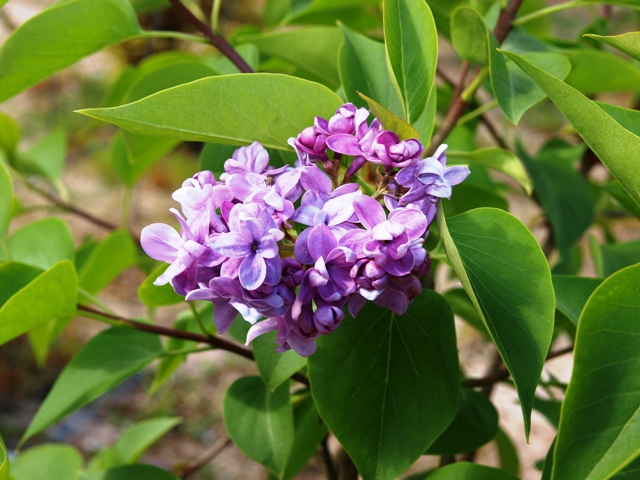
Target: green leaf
{"type": "Point", "coordinates": [275, 11]}
{"type": "Point", "coordinates": [412, 52]}
{"type": "Point", "coordinates": [630, 472]}
{"type": "Point", "coordinates": [463, 307]}
{"type": "Point", "coordinates": [214, 155]}
{"type": "Point", "coordinates": [270, 109]}
{"type": "Point", "coordinates": [516, 93]}
{"type": "Point", "coordinates": [585, 62]}
{"type": "Point", "coordinates": [130, 472]}
{"type": "Point", "coordinates": [309, 431]}
{"type": "Point", "coordinates": [600, 420]}
{"type": "Point", "coordinates": [469, 35]}
{"type": "Point", "coordinates": [361, 15]}
{"type": "Point", "coordinates": [6, 199]}
{"type": "Point", "coordinates": [628, 43]}
{"type": "Point", "coordinates": [507, 453]}
{"type": "Point", "coordinates": [616, 191]}
{"type": "Point", "coordinates": [34, 51]}
{"type": "Point", "coordinates": [507, 277]}
{"type": "Point", "coordinates": [363, 69]}
{"type": "Point", "coordinates": [49, 461]}
{"type": "Point", "coordinates": [140, 436]}
{"type": "Point", "coordinates": [313, 48]}
{"type": "Point", "coordinates": [469, 471]}
{"type": "Point", "coordinates": [260, 422]}
{"type": "Point", "coordinates": [387, 385]}
{"type": "Point", "coordinates": [626, 117]}
{"type": "Point", "coordinates": [157, 296]}
{"type": "Point", "coordinates": [4, 459]}
{"type": "Point", "coordinates": [248, 51]}
{"type": "Point", "coordinates": [46, 157]}
{"type": "Point", "coordinates": [108, 259]}
{"type": "Point", "coordinates": [275, 368]}
{"type": "Point", "coordinates": [42, 243]}
{"type": "Point", "coordinates": [565, 197]}
{"type": "Point", "coordinates": [572, 294]}
{"type": "Point", "coordinates": [9, 133]}
{"type": "Point", "coordinates": [37, 299]}
{"type": "Point", "coordinates": [424, 125]}
{"type": "Point", "coordinates": [475, 424]}
{"type": "Point", "coordinates": [594, 125]}
{"type": "Point", "coordinates": [469, 197]}
{"type": "Point", "coordinates": [15, 276]}
{"type": "Point", "coordinates": [549, 408]}
{"type": "Point", "coordinates": [616, 256]}
{"type": "Point", "coordinates": [496, 159]}
{"type": "Point", "coordinates": [132, 155]}
{"type": "Point", "coordinates": [390, 121]}
{"type": "Point", "coordinates": [105, 361]}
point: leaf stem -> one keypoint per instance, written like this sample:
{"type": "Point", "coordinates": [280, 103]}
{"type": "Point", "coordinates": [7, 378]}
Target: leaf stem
{"type": "Point", "coordinates": [196, 315]}
{"type": "Point", "coordinates": [478, 112]}
{"type": "Point", "coordinates": [547, 11]}
{"type": "Point", "coordinates": [470, 91]}
{"type": "Point", "coordinates": [176, 35]}
{"type": "Point", "coordinates": [216, 40]}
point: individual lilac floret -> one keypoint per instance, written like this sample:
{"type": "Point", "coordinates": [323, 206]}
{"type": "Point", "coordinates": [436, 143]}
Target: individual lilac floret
{"type": "Point", "coordinates": [252, 241]}
{"type": "Point", "coordinates": [430, 177]}
{"type": "Point", "coordinates": [394, 244]}
{"type": "Point", "coordinates": [183, 252]}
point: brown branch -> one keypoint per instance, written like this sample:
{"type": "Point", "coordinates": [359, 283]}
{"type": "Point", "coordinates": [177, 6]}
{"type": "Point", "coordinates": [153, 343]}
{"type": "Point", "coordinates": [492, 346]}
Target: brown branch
{"type": "Point", "coordinates": [458, 105]}
{"type": "Point", "coordinates": [205, 457]}
{"type": "Point", "coordinates": [212, 340]}
{"type": "Point", "coordinates": [503, 373]}
{"type": "Point", "coordinates": [216, 40]}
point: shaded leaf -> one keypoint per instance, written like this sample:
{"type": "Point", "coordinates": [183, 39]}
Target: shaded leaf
{"type": "Point", "coordinates": [507, 277]}
{"type": "Point", "coordinates": [271, 109]}
{"type": "Point", "coordinates": [411, 41]}
{"type": "Point", "coordinates": [475, 424]}
{"type": "Point", "coordinates": [46, 157]}
{"type": "Point", "coordinates": [403, 367]}
{"type": "Point", "coordinates": [469, 35]}
{"type": "Point", "coordinates": [589, 69]}
{"type": "Point", "coordinates": [130, 472]}
{"type": "Point", "coordinates": [9, 133]}
{"type": "Point", "coordinates": [6, 199]}
{"type": "Point", "coordinates": [594, 125]}
{"type": "Point", "coordinates": [507, 453]}
{"type": "Point", "coordinates": [313, 48]}
{"type": "Point", "coordinates": [598, 433]}
{"type": "Point", "coordinates": [260, 422]}
{"type": "Point", "coordinates": [613, 257]}
{"type": "Point", "coordinates": [469, 471]}
{"type": "Point", "coordinates": [42, 243]}
{"type": "Point", "coordinates": [565, 197]}
{"type": "Point", "coordinates": [463, 307]}
{"type": "Point", "coordinates": [108, 259]}
{"type": "Point", "coordinates": [105, 361]}
{"type": "Point", "coordinates": [214, 155]}
{"type": "Point", "coordinates": [34, 51]}
{"type": "Point", "coordinates": [275, 368]}
{"type": "Point", "coordinates": [309, 431]}
{"type": "Point", "coordinates": [140, 436]}
{"type": "Point", "coordinates": [158, 296]}
{"type": "Point", "coordinates": [496, 159]}
{"type": "Point", "coordinates": [616, 191]}
{"type": "Point", "coordinates": [363, 69]}
{"type": "Point", "coordinates": [470, 197]}
{"type": "Point", "coordinates": [572, 294]}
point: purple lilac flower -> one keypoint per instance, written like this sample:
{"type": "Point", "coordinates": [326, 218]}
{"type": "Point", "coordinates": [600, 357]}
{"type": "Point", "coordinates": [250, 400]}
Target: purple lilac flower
{"type": "Point", "coordinates": [431, 178]}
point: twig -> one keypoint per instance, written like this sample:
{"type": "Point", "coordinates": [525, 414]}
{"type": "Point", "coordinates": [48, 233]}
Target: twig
{"type": "Point", "coordinates": [214, 341]}
{"type": "Point", "coordinates": [458, 105]}
{"type": "Point", "coordinates": [503, 373]}
{"type": "Point", "coordinates": [205, 457]}
{"type": "Point", "coordinates": [216, 40]}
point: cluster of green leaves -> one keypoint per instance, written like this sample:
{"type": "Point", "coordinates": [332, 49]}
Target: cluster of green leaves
{"type": "Point", "coordinates": [386, 386]}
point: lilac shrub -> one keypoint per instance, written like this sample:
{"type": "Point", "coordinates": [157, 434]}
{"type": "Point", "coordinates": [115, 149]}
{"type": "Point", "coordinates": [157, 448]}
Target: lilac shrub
{"type": "Point", "coordinates": [296, 245]}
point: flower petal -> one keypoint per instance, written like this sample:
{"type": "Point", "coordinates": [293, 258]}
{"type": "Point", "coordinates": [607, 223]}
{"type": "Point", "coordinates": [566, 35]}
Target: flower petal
{"type": "Point", "coordinates": [160, 242]}
{"type": "Point", "coordinates": [369, 211]}
{"type": "Point", "coordinates": [253, 271]}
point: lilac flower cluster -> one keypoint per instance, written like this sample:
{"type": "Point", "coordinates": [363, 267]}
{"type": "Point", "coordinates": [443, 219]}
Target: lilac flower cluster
{"type": "Point", "coordinates": [292, 246]}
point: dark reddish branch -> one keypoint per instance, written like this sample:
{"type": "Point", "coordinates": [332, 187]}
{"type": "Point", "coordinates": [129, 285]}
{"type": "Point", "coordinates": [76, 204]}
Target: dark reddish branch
{"type": "Point", "coordinates": [503, 373]}
{"type": "Point", "coordinates": [212, 340]}
{"type": "Point", "coordinates": [216, 40]}
{"type": "Point", "coordinates": [458, 105]}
